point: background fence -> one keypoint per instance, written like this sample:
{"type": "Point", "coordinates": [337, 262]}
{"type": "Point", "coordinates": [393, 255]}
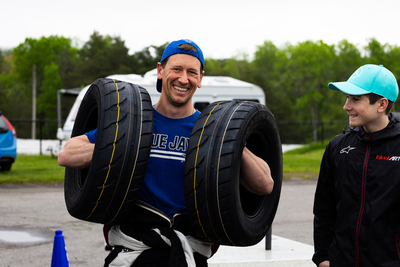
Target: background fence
{"type": "Point", "coordinates": [291, 132]}
{"type": "Point", "coordinates": [301, 132]}
{"type": "Point", "coordinates": [44, 129]}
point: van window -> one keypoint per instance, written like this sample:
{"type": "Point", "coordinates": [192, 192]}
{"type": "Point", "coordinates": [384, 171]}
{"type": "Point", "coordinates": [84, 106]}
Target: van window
{"type": "Point", "coordinates": [201, 105]}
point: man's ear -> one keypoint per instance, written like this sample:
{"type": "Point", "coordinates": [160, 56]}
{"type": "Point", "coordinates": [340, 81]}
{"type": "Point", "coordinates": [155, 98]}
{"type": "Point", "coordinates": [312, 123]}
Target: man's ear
{"type": "Point", "coordinates": [201, 79]}
{"type": "Point", "coordinates": [159, 68]}
{"type": "Point", "coordinates": [383, 103]}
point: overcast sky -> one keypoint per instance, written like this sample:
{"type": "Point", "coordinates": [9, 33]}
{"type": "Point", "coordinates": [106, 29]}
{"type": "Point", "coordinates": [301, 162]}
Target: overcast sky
{"type": "Point", "coordinates": [222, 28]}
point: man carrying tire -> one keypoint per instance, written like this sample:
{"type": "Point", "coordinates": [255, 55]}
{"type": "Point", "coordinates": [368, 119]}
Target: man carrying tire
{"type": "Point", "coordinates": [158, 232]}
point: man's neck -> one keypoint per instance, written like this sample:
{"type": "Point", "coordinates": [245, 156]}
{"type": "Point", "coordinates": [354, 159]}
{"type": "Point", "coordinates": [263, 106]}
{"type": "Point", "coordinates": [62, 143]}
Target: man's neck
{"type": "Point", "coordinates": [175, 112]}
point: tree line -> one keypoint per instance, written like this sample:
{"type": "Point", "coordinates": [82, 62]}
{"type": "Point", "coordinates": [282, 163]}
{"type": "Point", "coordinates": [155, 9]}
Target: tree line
{"type": "Point", "coordinates": [294, 77]}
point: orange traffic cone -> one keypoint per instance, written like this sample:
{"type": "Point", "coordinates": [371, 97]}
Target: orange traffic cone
{"type": "Point", "coordinates": [59, 258]}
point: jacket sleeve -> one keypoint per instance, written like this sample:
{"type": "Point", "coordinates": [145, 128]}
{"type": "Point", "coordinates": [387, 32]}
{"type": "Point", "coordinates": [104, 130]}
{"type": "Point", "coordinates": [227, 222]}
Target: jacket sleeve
{"type": "Point", "coordinates": [324, 208]}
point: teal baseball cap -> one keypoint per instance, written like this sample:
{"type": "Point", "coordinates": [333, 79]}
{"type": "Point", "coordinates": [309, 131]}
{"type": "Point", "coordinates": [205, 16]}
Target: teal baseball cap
{"type": "Point", "coordinates": [368, 79]}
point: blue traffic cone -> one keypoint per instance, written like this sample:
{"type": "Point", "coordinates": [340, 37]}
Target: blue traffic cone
{"type": "Point", "coordinates": [60, 258]}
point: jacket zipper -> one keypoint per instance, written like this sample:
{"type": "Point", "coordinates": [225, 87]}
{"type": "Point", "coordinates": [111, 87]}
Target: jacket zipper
{"type": "Point", "coordinates": [362, 204]}
{"type": "Point", "coordinates": [397, 239]}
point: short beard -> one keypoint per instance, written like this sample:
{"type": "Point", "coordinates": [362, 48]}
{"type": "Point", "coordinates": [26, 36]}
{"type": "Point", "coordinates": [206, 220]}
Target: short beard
{"type": "Point", "coordinates": [176, 104]}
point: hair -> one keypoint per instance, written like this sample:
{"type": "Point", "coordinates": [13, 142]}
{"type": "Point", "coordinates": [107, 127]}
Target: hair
{"type": "Point", "coordinates": [374, 97]}
{"type": "Point", "coordinates": [187, 47]}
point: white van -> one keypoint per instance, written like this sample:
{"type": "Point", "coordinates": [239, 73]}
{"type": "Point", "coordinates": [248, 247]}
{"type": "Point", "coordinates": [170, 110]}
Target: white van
{"type": "Point", "coordinates": [214, 88]}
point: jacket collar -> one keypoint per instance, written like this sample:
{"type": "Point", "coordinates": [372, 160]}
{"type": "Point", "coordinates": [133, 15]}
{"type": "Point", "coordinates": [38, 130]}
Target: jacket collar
{"type": "Point", "coordinates": [390, 131]}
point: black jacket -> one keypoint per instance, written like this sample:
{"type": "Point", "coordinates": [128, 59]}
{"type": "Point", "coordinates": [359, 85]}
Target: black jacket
{"type": "Point", "coordinates": [357, 200]}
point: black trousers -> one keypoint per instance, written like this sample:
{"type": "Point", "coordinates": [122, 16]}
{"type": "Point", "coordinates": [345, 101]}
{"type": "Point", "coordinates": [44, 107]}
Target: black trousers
{"type": "Point", "coordinates": [154, 258]}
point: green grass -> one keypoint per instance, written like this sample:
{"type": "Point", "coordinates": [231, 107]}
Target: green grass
{"type": "Point", "coordinates": [303, 162]}
{"type": "Point", "coordinates": [33, 169]}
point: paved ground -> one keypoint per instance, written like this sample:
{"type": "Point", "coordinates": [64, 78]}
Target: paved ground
{"type": "Point", "coordinates": [40, 211]}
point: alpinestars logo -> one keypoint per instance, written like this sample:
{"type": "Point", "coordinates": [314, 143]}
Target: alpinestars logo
{"type": "Point", "coordinates": [346, 149]}
{"type": "Point", "coordinates": [390, 158]}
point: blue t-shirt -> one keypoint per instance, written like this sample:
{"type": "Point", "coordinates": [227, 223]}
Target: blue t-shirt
{"type": "Point", "coordinates": [163, 185]}
{"type": "Point", "coordinates": [92, 136]}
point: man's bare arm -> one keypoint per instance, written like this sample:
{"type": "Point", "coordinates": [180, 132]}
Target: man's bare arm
{"type": "Point", "coordinates": [76, 153]}
{"type": "Point", "coordinates": [255, 174]}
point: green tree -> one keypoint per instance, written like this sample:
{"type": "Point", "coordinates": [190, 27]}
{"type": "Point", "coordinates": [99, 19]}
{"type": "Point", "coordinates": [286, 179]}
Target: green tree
{"type": "Point", "coordinates": [269, 73]}
{"type": "Point", "coordinates": [147, 58]}
{"type": "Point", "coordinates": [6, 81]}
{"type": "Point", "coordinates": [14, 102]}
{"type": "Point", "coordinates": [215, 67]}
{"type": "Point", "coordinates": [375, 52]}
{"type": "Point", "coordinates": [309, 68]}
{"type": "Point", "coordinates": [99, 57]}
{"type": "Point", "coordinates": [293, 77]}
{"type": "Point", "coordinates": [1, 61]}
{"type": "Point", "coordinates": [348, 59]}
{"type": "Point", "coordinates": [41, 52]}
{"type": "Point", "coordinates": [46, 52]}
{"type": "Point", "coordinates": [393, 62]}
{"type": "Point", "coordinates": [239, 69]}
{"type": "Point", "coordinates": [45, 108]}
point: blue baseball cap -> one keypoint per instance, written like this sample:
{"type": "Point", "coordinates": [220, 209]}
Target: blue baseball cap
{"type": "Point", "coordinates": [368, 79]}
{"type": "Point", "coordinates": [173, 48]}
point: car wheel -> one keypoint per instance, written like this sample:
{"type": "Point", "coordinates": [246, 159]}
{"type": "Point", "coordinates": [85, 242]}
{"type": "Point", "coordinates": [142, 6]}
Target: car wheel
{"type": "Point", "coordinates": [220, 209]}
{"type": "Point", "coordinates": [5, 166]}
{"type": "Point", "coordinates": [123, 116]}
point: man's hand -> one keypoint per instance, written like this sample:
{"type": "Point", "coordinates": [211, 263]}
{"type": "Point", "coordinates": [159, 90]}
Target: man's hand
{"type": "Point", "coordinates": [324, 264]}
{"type": "Point", "coordinates": [255, 174]}
{"type": "Point", "coordinates": [76, 153]}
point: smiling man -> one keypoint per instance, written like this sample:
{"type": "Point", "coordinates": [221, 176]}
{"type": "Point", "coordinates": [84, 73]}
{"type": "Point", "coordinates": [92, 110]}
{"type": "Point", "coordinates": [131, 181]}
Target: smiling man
{"type": "Point", "coordinates": [356, 214]}
{"type": "Point", "coordinates": [158, 233]}
{"type": "Point", "coordinates": [179, 74]}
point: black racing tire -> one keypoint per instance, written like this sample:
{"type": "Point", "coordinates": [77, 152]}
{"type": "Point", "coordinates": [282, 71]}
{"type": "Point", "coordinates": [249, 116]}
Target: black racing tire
{"type": "Point", "coordinates": [123, 115]}
{"type": "Point", "coordinates": [221, 211]}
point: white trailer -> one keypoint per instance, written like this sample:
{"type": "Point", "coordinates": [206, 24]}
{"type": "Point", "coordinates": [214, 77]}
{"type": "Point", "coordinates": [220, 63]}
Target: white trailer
{"type": "Point", "coordinates": [214, 88]}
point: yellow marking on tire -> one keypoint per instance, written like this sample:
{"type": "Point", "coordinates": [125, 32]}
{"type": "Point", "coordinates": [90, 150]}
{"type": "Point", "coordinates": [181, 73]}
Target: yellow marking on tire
{"type": "Point", "coordinates": [219, 160]}
{"type": "Point", "coordinates": [136, 157]}
{"type": "Point", "coordinates": [112, 154]}
{"type": "Point", "coordinates": [195, 172]}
